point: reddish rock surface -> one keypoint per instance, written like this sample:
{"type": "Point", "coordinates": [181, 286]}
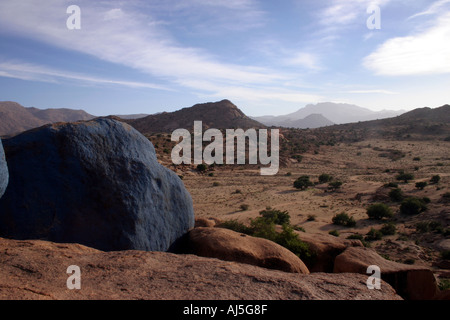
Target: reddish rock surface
{"type": "Point", "coordinates": [326, 248]}
{"type": "Point", "coordinates": [411, 282]}
{"type": "Point", "coordinates": [37, 270]}
{"type": "Point", "coordinates": [229, 245]}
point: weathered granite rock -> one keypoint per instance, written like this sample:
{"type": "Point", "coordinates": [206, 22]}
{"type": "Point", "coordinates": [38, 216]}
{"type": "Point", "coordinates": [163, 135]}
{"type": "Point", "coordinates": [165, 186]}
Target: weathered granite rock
{"type": "Point", "coordinates": [325, 249]}
{"type": "Point", "coordinates": [410, 282]}
{"type": "Point", "coordinates": [38, 270]}
{"type": "Point", "coordinates": [3, 171]}
{"type": "Point", "coordinates": [229, 245]}
{"type": "Point", "coordinates": [96, 183]}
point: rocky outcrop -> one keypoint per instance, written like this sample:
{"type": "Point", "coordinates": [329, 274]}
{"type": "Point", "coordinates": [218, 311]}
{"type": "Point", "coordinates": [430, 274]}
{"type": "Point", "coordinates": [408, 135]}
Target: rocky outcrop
{"type": "Point", "coordinates": [409, 281]}
{"type": "Point", "coordinates": [96, 183]}
{"type": "Point", "coordinates": [325, 249]}
{"type": "Point", "coordinates": [4, 176]}
{"type": "Point", "coordinates": [229, 245]}
{"type": "Point", "coordinates": [38, 270]}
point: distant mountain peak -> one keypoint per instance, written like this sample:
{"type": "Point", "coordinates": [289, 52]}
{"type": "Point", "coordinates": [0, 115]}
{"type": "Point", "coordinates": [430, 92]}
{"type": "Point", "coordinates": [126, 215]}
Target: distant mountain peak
{"type": "Point", "coordinates": [220, 115]}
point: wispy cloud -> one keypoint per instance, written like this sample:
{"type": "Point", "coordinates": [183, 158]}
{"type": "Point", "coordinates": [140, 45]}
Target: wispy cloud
{"type": "Point", "coordinates": [32, 72]}
{"type": "Point", "coordinates": [132, 38]}
{"type": "Point", "coordinates": [421, 53]}
{"type": "Point", "coordinates": [435, 7]}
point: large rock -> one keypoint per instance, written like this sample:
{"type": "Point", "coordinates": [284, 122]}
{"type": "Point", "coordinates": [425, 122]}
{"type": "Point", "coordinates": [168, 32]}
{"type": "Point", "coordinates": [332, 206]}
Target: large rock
{"type": "Point", "coordinates": [410, 282]}
{"type": "Point", "coordinates": [3, 171]}
{"type": "Point", "coordinates": [96, 183]}
{"type": "Point", "coordinates": [229, 245]}
{"type": "Point", "coordinates": [325, 249]}
{"type": "Point", "coordinates": [38, 270]}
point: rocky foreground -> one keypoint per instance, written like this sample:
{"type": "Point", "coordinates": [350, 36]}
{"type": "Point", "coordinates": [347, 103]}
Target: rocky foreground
{"type": "Point", "coordinates": [35, 269]}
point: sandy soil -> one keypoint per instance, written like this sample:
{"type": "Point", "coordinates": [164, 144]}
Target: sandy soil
{"type": "Point", "coordinates": [362, 167]}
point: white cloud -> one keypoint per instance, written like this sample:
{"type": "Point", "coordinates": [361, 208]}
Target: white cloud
{"type": "Point", "coordinates": [33, 72]}
{"type": "Point", "coordinates": [433, 9]}
{"type": "Point", "coordinates": [426, 52]}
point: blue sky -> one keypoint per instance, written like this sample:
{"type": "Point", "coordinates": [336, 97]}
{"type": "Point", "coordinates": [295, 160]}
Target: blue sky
{"type": "Point", "coordinates": [268, 57]}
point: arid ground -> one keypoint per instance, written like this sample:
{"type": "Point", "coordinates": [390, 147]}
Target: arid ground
{"type": "Point", "coordinates": [363, 167]}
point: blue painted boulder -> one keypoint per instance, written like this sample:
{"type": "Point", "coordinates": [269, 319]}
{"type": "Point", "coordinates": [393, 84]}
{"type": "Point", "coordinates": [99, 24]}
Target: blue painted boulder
{"type": "Point", "coordinates": [96, 183]}
{"type": "Point", "coordinates": [3, 171]}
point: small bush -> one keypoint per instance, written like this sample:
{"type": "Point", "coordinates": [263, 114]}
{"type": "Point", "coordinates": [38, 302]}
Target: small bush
{"type": "Point", "coordinates": [388, 229]}
{"type": "Point", "coordinates": [435, 179]}
{"type": "Point", "coordinates": [355, 237]}
{"type": "Point", "coordinates": [416, 159]}
{"type": "Point", "coordinates": [202, 167]}
{"type": "Point", "coordinates": [324, 178]}
{"type": "Point", "coordinates": [216, 184]}
{"type": "Point", "coordinates": [412, 206]}
{"type": "Point", "coordinates": [334, 233]}
{"type": "Point", "coordinates": [334, 185]}
{"type": "Point", "coordinates": [289, 174]}
{"type": "Point", "coordinates": [373, 235]}
{"type": "Point", "coordinates": [409, 261]}
{"type": "Point", "coordinates": [405, 177]}
{"type": "Point", "coordinates": [311, 217]}
{"type": "Point", "coordinates": [237, 191]}
{"type": "Point", "coordinates": [244, 207]}
{"type": "Point", "coordinates": [302, 183]}
{"type": "Point", "coordinates": [379, 211]}
{"type": "Point", "coordinates": [276, 216]}
{"type": "Point", "coordinates": [342, 219]}
{"type": "Point", "coordinates": [235, 226]}
{"type": "Point", "coordinates": [421, 185]}
{"type": "Point", "coordinates": [396, 195]}
{"type": "Point", "coordinates": [391, 185]}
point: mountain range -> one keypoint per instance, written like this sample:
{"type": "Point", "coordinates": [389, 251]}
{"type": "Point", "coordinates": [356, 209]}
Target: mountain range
{"type": "Point", "coordinates": [325, 114]}
{"type": "Point", "coordinates": [15, 118]}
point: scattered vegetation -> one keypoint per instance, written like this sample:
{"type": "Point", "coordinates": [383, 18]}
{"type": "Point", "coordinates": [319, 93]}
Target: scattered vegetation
{"type": "Point", "coordinates": [412, 206]}
{"type": "Point", "coordinates": [334, 185]}
{"type": "Point", "coordinates": [421, 185]}
{"type": "Point", "coordinates": [373, 235]}
{"type": "Point", "coordinates": [311, 217]}
{"type": "Point", "coordinates": [388, 229]}
{"type": "Point", "coordinates": [324, 178]}
{"type": "Point", "coordinates": [435, 179]}
{"type": "Point", "coordinates": [396, 195]}
{"type": "Point", "coordinates": [202, 167]}
{"type": "Point", "coordinates": [405, 177]}
{"type": "Point", "coordinates": [343, 219]}
{"type": "Point", "coordinates": [334, 233]}
{"type": "Point", "coordinates": [302, 183]}
{"type": "Point", "coordinates": [264, 227]}
{"type": "Point", "coordinates": [379, 211]}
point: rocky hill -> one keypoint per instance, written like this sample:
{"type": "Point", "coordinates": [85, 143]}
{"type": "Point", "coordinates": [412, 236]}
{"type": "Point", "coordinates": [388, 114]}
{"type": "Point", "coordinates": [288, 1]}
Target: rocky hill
{"type": "Point", "coordinates": [15, 118]}
{"type": "Point", "coordinates": [220, 115]}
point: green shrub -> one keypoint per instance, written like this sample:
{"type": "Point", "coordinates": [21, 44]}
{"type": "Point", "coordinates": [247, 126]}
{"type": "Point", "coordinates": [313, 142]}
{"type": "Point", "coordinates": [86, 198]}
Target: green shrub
{"type": "Point", "coordinates": [388, 229]}
{"type": "Point", "coordinates": [311, 217]}
{"type": "Point", "coordinates": [421, 185]}
{"type": "Point", "coordinates": [334, 233]}
{"type": "Point", "coordinates": [334, 185]}
{"type": "Point", "coordinates": [412, 206]}
{"type": "Point", "coordinates": [356, 236]}
{"type": "Point", "coordinates": [202, 167]}
{"type": "Point", "coordinates": [342, 219]}
{"type": "Point", "coordinates": [435, 179]}
{"type": "Point", "coordinates": [302, 183]}
{"type": "Point", "coordinates": [379, 211]}
{"type": "Point", "coordinates": [324, 178]}
{"type": "Point", "coordinates": [216, 184]}
{"type": "Point", "coordinates": [276, 216]}
{"type": "Point", "coordinates": [235, 226]}
{"type": "Point", "coordinates": [396, 195]}
{"type": "Point", "coordinates": [405, 177]}
{"type": "Point", "coordinates": [444, 284]}
{"type": "Point", "coordinates": [373, 235]}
